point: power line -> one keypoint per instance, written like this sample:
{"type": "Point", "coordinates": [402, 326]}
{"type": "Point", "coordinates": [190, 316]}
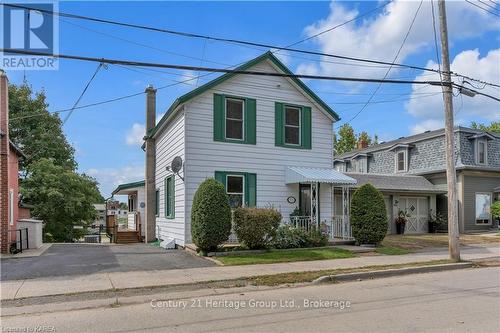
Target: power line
{"type": "Point", "coordinates": [214, 70]}
{"type": "Point", "coordinates": [227, 40]}
{"type": "Point", "coordinates": [486, 10]}
{"type": "Point", "coordinates": [242, 42]}
{"type": "Point", "coordinates": [83, 93]}
{"type": "Point", "coordinates": [487, 5]}
{"type": "Point", "coordinates": [388, 71]}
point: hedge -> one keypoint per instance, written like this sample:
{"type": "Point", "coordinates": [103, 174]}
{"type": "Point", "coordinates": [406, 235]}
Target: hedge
{"type": "Point", "coordinates": [256, 227]}
{"type": "Point", "coordinates": [210, 216]}
{"type": "Point", "coordinates": [368, 215]}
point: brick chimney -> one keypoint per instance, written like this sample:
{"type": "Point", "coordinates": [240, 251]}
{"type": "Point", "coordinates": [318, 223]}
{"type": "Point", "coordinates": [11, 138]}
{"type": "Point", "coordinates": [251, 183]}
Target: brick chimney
{"type": "Point", "coordinates": [362, 144]}
{"type": "Point", "coordinates": [4, 162]}
{"type": "Point", "coordinates": [150, 179]}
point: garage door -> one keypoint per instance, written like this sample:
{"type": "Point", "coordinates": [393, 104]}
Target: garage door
{"type": "Point", "coordinates": [418, 209]}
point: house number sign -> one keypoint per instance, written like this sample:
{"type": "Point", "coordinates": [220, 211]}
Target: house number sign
{"type": "Point", "coordinates": [291, 200]}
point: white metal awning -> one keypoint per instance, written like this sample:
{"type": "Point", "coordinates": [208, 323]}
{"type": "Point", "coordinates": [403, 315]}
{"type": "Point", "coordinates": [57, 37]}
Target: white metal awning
{"type": "Point", "coordinates": [295, 175]}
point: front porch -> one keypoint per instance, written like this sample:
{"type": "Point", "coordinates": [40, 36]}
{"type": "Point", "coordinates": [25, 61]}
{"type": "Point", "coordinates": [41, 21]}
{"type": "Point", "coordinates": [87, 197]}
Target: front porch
{"type": "Point", "coordinates": [313, 182]}
{"type": "Point", "coordinates": [131, 228]}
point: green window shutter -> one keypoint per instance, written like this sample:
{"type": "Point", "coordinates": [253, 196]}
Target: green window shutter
{"type": "Point", "coordinates": [250, 121]}
{"type": "Point", "coordinates": [170, 197]}
{"type": "Point", "coordinates": [218, 117]}
{"type": "Point", "coordinates": [306, 127]}
{"type": "Point", "coordinates": [221, 177]}
{"type": "Point", "coordinates": [251, 189]}
{"type": "Point", "coordinates": [157, 203]}
{"type": "Point", "coordinates": [279, 139]}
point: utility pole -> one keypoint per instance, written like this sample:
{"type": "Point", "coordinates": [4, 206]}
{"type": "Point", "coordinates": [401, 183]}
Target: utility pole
{"type": "Point", "coordinates": [451, 175]}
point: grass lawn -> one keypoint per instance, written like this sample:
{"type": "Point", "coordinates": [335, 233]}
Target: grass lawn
{"type": "Point", "coordinates": [276, 256]}
{"type": "Point", "coordinates": [389, 250]}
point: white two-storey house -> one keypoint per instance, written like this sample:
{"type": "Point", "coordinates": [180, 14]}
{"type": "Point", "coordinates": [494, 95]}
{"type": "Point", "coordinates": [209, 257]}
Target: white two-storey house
{"type": "Point", "coordinates": [268, 139]}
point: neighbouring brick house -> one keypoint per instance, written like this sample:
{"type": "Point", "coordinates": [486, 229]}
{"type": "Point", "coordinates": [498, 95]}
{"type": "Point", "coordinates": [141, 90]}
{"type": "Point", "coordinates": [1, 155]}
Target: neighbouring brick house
{"type": "Point", "coordinates": [398, 165]}
{"type": "Point", "coordinates": [9, 173]}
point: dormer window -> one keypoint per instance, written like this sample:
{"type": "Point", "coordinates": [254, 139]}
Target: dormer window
{"type": "Point", "coordinates": [401, 161]}
{"type": "Point", "coordinates": [481, 152]}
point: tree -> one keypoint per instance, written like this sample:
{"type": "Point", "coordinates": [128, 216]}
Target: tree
{"type": "Point", "coordinates": [123, 206]}
{"type": "Point", "coordinates": [368, 215]}
{"type": "Point", "coordinates": [210, 216]}
{"type": "Point", "coordinates": [37, 132]}
{"type": "Point", "coordinates": [363, 136]}
{"type": "Point", "coordinates": [493, 127]}
{"type": "Point", "coordinates": [346, 140]}
{"type": "Point", "coordinates": [62, 198]}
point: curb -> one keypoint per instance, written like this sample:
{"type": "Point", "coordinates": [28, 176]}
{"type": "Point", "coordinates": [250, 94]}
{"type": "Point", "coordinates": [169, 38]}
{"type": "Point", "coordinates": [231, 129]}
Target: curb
{"type": "Point", "coordinates": [390, 272]}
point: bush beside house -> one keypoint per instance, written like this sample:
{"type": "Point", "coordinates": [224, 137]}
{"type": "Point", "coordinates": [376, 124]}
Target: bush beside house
{"type": "Point", "coordinates": [288, 237]}
{"type": "Point", "coordinates": [256, 227]}
{"type": "Point", "coordinates": [368, 215]}
{"type": "Point", "coordinates": [210, 216]}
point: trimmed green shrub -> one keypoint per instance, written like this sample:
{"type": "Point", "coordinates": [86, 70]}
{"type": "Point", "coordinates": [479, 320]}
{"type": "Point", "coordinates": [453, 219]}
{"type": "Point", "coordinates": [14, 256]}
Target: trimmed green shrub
{"type": "Point", "coordinates": [210, 216]}
{"type": "Point", "coordinates": [256, 227]}
{"type": "Point", "coordinates": [288, 237]}
{"type": "Point", "coordinates": [495, 209]}
{"type": "Point", "coordinates": [368, 215]}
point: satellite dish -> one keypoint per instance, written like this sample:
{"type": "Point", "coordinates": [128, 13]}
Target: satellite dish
{"type": "Point", "coordinates": [176, 166]}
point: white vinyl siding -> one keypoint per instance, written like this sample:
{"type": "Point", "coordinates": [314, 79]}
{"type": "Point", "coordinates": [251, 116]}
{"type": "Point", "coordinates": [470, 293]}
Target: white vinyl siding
{"type": "Point", "coordinates": [267, 161]}
{"type": "Point", "coordinates": [169, 144]}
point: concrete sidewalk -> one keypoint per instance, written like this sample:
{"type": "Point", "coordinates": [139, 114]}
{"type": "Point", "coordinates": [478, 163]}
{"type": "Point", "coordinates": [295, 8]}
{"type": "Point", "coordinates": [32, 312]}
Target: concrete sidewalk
{"type": "Point", "coordinates": [122, 280]}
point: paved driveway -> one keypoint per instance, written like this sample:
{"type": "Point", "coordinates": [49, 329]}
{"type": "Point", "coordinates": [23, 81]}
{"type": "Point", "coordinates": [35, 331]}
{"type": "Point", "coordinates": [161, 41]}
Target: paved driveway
{"type": "Point", "coordinates": [81, 259]}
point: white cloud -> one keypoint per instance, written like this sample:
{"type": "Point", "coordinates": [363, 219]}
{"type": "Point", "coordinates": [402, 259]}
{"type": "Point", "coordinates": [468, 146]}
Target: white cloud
{"type": "Point", "coordinates": [110, 178]}
{"type": "Point", "coordinates": [190, 77]}
{"type": "Point", "coordinates": [135, 135]}
{"type": "Point", "coordinates": [380, 37]}
{"type": "Point", "coordinates": [466, 109]}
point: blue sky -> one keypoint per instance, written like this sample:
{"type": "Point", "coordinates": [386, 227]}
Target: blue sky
{"type": "Point", "coordinates": [106, 136]}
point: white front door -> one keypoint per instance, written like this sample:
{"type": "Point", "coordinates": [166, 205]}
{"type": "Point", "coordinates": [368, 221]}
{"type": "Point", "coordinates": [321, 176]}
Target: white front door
{"type": "Point", "coordinates": [418, 209]}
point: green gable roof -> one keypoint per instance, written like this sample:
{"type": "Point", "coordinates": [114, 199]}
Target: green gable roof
{"type": "Point", "coordinates": [266, 56]}
{"type": "Point", "coordinates": [128, 186]}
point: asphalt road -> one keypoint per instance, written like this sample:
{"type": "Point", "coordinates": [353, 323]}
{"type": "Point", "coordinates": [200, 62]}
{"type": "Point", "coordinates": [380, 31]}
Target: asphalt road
{"type": "Point", "coordinates": [83, 259]}
{"type": "Point", "coordinates": [454, 301]}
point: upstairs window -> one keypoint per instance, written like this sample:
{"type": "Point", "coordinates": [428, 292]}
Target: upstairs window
{"type": "Point", "coordinates": [401, 161]}
{"type": "Point", "coordinates": [235, 119]}
{"type": "Point", "coordinates": [481, 152]}
{"type": "Point", "coordinates": [235, 108]}
{"type": "Point", "coordinates": [292, 125]}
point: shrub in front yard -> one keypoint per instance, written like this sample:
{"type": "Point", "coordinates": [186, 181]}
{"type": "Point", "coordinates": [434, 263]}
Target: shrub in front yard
{"type": "Point", "coordinates": [256, 227]}
{"type": "Point", "coordinates": [210, 216]}
{"type": "Point", "coordinates": [368, 215]}
{"type": "Point", "coordinates": [288, 237]}
{"type": "Point", "coordinates": [495, 209]}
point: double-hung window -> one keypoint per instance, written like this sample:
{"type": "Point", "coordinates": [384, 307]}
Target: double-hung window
{"type": "Point", "coordinates": [235, 120]}
{"type": "Point", "coordinates": [292, 125]}
{"type": "Point", "coordinates": [401, 161]}
{"type": "Point", "coordinates": [481, 152]}
{"type": "Point", "coordinates": [241, 187]}
{"type": "Point", "coordinates": [170, 197]}
{"type": "Point", "coordinates": [235, 190]}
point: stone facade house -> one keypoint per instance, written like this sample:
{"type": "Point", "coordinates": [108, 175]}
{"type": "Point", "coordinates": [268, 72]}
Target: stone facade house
{"type": "Point", "coordinates": [397, 166]}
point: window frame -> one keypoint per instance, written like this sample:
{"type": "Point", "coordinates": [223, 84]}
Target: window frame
{"type": "Point", "coordinates": [243, 122]}
{"type": "Point", "coordinates": [485, 145]}
{"type": "Point", "coordinates": [171, 214]}
{"type": "Point", "coordinates": [405, 160]}
{"type": "Point", "coordinates": [490, 219]}
{"type": "Point", "coordinates": [243, 203]}
{"type": "Point", "coordinates": [299, 108]}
